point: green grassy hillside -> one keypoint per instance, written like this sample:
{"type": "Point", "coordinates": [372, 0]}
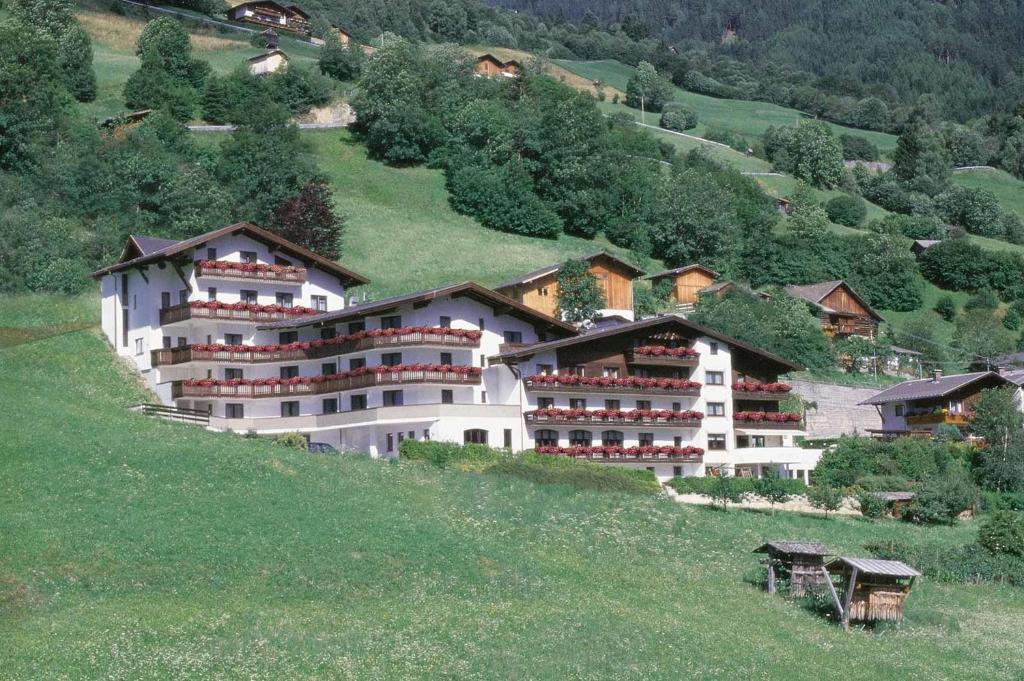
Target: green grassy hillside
{"type": "Point", "coordinates": [403, 234]}
{"type": "Point", "coordinates": [745, 117]}
{"type": "Point", "coordinates": [132, 548]}
{"type": "Point", "coordinates": [1007, 188]}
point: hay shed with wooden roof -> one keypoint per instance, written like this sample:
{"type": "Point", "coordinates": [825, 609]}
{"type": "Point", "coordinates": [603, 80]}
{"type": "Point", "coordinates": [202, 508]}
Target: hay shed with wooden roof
{"type": "Point", "coordinates": [874, 590]}
{"type": "Point", "coordinates": [801, 562]}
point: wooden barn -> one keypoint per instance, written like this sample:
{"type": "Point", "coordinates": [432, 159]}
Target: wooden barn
{"type": "Point", "coordinates": [801, 563]}
{"type": "Point", "coordinates": [873, 590]}
{"type": "Point", "coordinates": [270, 13]}
{"type": "Point", "coordinates": [842, 312]}
{"type": "Point", "coordinates": [539, 289]}
{"type": "Point", "coordinates": [488, 65]}
{"type": "Point", "coordinates": [271, 61]}
{"type": "Point", "coordinates": [687, 282]}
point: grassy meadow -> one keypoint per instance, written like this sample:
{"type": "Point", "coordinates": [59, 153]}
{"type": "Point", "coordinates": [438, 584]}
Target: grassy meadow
{"type": "Point", "coordinates": [747, 118]}
{"type": "Point", "coordinates": [134, 548]}
{"type": "Point", "coordinates": [1007, 188]}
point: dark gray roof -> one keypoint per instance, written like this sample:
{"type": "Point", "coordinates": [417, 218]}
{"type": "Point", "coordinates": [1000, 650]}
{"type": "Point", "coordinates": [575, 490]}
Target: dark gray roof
{"type": "Point", "coordinates": [550, 269]}
{"type": "Point", "coordinates": [925, 244]}
{"type": "Point", "coordinates": [1015, 377]}
{"type": "Point", "coordinates": [681, 270]}
{"type": "Point", "coordinates": [925, 388]}
{"type": "Point", "coordinates": [873, 566]}
{"type": "Point", "coordinates": [903, 351]}
{"type": "Point", "coordinates": [809, 548]}
{"type": "Point", "coordinates": [531, 350]}
{"type": "Point", "coordinates": [717, 286]}
{"type": "Point", "coordinates": [466, 288]}
{"type": "Point", "coordinates": [151, 244]}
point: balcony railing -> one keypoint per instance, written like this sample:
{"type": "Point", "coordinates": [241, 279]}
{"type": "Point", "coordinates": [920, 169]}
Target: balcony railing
{"type": "Point", "coordinates": [638, 356]}
{"type": "Point", "coordinates": [532, 417]}
{"type": "Point", "coordinates": [258, 272]}
{"type": "Point", "coordinates": [631, 386]}
{"type": "Point", "coordinates": [627, 455]}
{"type": "Point", "coordinates": [761, 395]}
{"type": "Point", "coordinates": [317, 349]}
{"type": "Point", "coordinates": [940, 417]}
{"type": "Point", "coordinates": [293, 387]}
{"type": "Point", "coordinates": [227, 312]}
{"type": "Point", "coordinates": [767, 420]}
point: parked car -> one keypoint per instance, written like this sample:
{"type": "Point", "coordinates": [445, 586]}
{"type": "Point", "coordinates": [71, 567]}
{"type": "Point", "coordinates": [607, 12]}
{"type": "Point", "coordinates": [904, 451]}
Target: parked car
{"type": "Point", "coordinates": [321, 448]}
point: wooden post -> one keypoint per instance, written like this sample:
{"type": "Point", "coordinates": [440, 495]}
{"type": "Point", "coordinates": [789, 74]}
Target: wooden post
{"type": "Point", "coordinates": [849, 597]}
{"type": "Point", "coordinates": [832, 590]}
{"type": "Point", "coordinates": [771, 576]}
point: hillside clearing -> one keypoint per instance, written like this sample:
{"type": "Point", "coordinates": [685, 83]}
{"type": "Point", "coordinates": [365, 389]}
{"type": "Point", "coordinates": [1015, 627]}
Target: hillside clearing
{"type": "Point", "coordinates": [1007, 188]}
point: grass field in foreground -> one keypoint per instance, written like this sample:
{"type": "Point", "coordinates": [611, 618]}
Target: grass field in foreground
{"type": "Point", "coordinates": [133, 548]}
{"type": "Point", "coordinates": [402, 233]}
{"type": "Point", "coordinates": [748, 118]}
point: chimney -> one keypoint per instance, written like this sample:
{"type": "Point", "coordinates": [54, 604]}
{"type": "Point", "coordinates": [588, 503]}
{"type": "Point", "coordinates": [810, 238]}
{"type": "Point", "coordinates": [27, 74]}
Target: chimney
{"type": "Point", "coordinates": [938, 376]}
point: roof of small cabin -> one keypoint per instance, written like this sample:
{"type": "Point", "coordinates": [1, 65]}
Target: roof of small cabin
{"type": "Point", "coordinates": [925, 244]}
{"type": "Point", "coordinates": [927, 388]}
{"type": "Point", "coordinates": [682, 270]}
{"type": "Point", "coordinates": [895, 496]}
{"type": "Point", "coordinates": [814, 293]}
{"type": "Point", "coordinates": [267, 55]}
{"type": "Point", "coordinates": [265, 3]}
{"type": "Point", "coordinates": [808, 548]}
{"type": "Point", "coordinates": [177, 247]}
{"type": "Point", "coordinates": [903, 351]}
{"type": "Point", "coordinates": [530, 350]}
{"type": "Point", "coordinates": [125, 117]}
{"type": "Point", "coordinates": [873, 566]}
{"type": "Point", "coordinates": [551, 269]}
{"type": "Point", "coordinates": [491, 58]}
{"type": "Point", "coordinates": [470, 289]}
{"type": "Point", "coordinates": [717, 286]}
{"type": "Point", "coordinates": [1016, 377]}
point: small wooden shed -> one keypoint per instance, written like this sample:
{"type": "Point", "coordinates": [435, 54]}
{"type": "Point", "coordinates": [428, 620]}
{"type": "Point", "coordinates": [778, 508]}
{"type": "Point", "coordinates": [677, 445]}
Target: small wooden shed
{"type": "Point", "coordinates": [896, 502]}
{"type": "Point", "coordinates": [874, 590]}
{"type": "Point", "coordinates": [802, 562]}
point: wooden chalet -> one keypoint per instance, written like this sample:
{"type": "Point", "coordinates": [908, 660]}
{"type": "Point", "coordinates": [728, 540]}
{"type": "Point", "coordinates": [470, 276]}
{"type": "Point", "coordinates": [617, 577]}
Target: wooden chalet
{"type": "Point", "coordinates": [488, 65]}
{"type": "Point", "coordinates": [801, 563]}
{"type": "Point", "coordinates": [842, 312]}
{"type": "Point", "coordinates": [269, 13]}
{"type": "Point", "coordinates": [687, 282]}
{"type": "Point", "coordinates": [539, 289]}
{"type": "Point", "coordinates": [873, 590]}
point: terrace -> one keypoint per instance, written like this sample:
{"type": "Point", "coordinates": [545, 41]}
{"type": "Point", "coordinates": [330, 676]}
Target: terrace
{"type": "Point", "coordinates": [760, 391]}
{"type": "Point", "coordinates": [629, 385]}
{"type": "Point", "coordinates": [647, 454]}
{"type": "Point", "coordinates": [645, 418]}
{"type": "Point", "coordinates": [232, 312]}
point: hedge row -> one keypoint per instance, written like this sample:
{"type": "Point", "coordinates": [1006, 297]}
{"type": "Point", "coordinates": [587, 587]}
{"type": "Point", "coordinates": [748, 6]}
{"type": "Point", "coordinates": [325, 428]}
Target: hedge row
{"type": "Point", "coordinates": [538, 468]}
{"type": "Point", "coordinates": [966, 564]}
{"type": "Point", "coordinates": [744, 485]}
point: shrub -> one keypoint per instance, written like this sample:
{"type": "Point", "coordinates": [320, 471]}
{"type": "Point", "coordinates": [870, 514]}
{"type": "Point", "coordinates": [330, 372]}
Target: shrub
{"type": "Point", "coordinates": [704, 485]}
{"type": "Point", "coordinates": [946, 307]}
{"type": "Point", "coordinates": [557, 470]}
{"type": "Point", "coordinates": [679, 120]}
{"type": "Point", "coordinates": [825, 497]}
{"type": "Point", "coordinates": [942, 498]}
{"type": "Point", "coordinates": [725, 489]}
{"type": "Point", "coordinates": [1003, 532]}
{"type": "Point", "coordinates": [857, 148]}
{"type": "Point", "coordinates": [871, 505]}
{"type": "Point", "coordinates": [450, 454]}
{"type": "Point", "coordinates": [1002, 501]}
{"type": "Point", "coordinates": [772, 488]}
{"type": "Point", "coordinates": [846, 210]}
{"type": "Point", "coordinates": [985, 299]}
{"type": "Point", "coordinates": [292, 441]}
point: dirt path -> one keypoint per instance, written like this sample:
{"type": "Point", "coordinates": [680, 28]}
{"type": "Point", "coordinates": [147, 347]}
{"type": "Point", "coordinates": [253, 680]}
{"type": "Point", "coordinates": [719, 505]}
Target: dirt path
{"type": "Point", "coordinates": [798, 504]}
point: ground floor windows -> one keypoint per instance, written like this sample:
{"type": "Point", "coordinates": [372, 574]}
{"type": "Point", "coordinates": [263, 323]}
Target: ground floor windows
{"type": "Point", "coordinates": [357, 402]}
{"type": "Point", "coordinates": [716, 409]}
{"type": "Point", "coordinates": [389, 442]}
{"type": "Point", "coordinates": [507, 440]}
{"type": "Point", "coordinates": [290, 408]}
{"type": "Point", "coordinates": [645, 439]}
{"type": "Point", "coordinates": [447, 397]}
{"type": "Point", "coordinates": [716, 441]}
{"type": "Point", "coordinates": [234, 411]}
{"type": "Point", "coordinates": [677, 471]}
{"type": "Point", "coordinates": [330, 405]}
{"type": "Point", "coordinates": [580, 438]}
{"type": "Point", "coordinates": [474, 436]}
{"type": "Point", "coordinates": [393, 398]}
{"type": "Point", "coordinates": [612, 438]}
{"type": "Point", "coordinates": [546, 438]}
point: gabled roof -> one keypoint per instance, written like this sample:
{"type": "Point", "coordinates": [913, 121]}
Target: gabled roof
{"type": "Point", "coordinates": [298, 10]}
{"type": "Point", "coordinates": [174, 248]}
{"type": "Point", "coordinates": [814, 293]}
{"type": "Point", "coordinates": [682, 270]}
{"type": "Point", "coordinates": [808, 548]}
{"type": "Point", "coordinates": [491, 58]}
{"type": "Point", "coordinates": [928, 388]}
{"type": "Point", "coordinates": [266, 55]}
{"type": "Point", "coordinates": [469, 289]}
{"type": "Point", "coordinates": [265, 3]}
{"type": "Point", "coordinates": [551, 269]}
{"type": "Point", "coordinates": [925, 244]}
{"type": "Point", "coordinates": [150, 244]}
{"type": "Point", "coordinates": [873, 566]}
{"type": "Point", "coordinates": [643, 324]}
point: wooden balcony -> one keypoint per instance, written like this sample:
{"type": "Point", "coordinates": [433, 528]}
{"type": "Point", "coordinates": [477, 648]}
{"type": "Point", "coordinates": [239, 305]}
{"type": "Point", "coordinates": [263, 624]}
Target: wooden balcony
{"type": "Point", "coordinates": [185, 312]}
{"type": "Point", "coordinates": [189, 353]}
{"type": "Point", "coordinates": [766, 425]}
{"type": "Point", "coordinates": [939, 418]}
{"type": "Point", "coordinates": [636, 458]}
{"type": "Point", "coordinates": [369, 380]}
{"type": "Point", "coordinates": [535, 420]}
{"type": "Point", "coordinates": [609, 389]}
{"type": "Point", "coordinates": [639, 359]}
{"type": "Point", "coordinates": [760, 395]}
{"type": "Point", "coordinates": [294, 275]}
